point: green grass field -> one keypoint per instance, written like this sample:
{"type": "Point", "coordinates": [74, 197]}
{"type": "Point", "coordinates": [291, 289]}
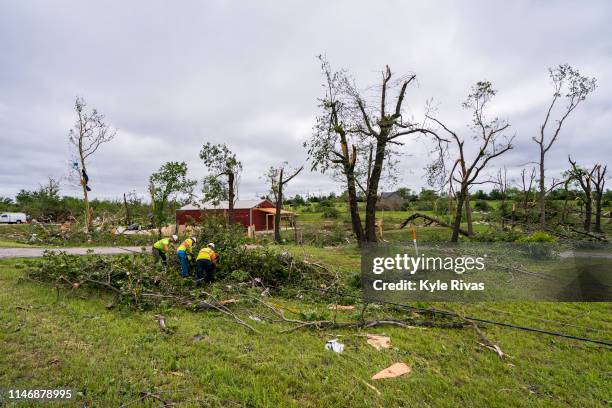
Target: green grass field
{"type": "Point", "coordinates": [111, 357]}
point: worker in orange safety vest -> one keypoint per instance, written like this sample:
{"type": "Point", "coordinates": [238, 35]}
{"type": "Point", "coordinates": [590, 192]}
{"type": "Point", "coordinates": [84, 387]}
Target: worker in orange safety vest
{"type": "Point", "coordinates": [184, 253]}
{"type": "Point", "coordinates": [206, 262]}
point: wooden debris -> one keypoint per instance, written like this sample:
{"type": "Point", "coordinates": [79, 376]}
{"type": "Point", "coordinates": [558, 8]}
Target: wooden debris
{"type": "Point", "coordinates": [393, 371]}
{"type": "Point", "coordinates": [486, 342]}
{"type": "Point", "coordinates": [341, 307]}
{"type": "Point", "coordinates": [379, 342]}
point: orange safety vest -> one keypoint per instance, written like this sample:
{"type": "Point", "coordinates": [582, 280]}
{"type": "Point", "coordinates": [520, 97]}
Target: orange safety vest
{"type": "Point", "coordinates": [186, 246]}
{"type": "Point", "coordinates": [207, 253]}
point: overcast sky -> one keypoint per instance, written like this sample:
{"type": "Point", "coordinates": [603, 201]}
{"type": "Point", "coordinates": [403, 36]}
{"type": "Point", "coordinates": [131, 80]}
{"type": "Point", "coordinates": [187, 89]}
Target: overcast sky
{"type": "Point", "coordinates": [174, 75]}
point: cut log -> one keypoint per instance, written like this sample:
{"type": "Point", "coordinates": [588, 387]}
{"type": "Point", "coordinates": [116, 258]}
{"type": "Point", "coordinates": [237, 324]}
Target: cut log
{"type": "Point", "coordinates": [431, 220]}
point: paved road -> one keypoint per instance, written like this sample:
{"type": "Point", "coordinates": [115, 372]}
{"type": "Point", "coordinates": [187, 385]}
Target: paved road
{"type": "Point", "coordinates": [38, 252]}
{"type": "Point", "coordinates": [585, 254]}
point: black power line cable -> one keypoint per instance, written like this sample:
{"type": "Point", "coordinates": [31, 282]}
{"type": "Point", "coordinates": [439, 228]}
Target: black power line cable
{"type": "Point", "coordinates": [470, 318]}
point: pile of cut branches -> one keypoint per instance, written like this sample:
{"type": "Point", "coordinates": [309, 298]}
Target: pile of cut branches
{"type": "Point", "coordinates": [136, 279]}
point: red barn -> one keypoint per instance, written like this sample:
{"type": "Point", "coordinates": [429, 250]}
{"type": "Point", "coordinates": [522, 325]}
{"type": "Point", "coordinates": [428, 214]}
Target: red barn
{"type": "Point", "coordinates": [247, 212]}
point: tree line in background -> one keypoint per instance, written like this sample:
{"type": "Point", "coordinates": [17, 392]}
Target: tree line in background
{"type": "Point", "coordinates": [357, 139]}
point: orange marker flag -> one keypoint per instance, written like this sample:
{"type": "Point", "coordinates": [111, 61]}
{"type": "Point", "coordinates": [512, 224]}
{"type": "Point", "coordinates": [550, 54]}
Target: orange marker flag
{"type": "Point", "coordinates": [414, 241]}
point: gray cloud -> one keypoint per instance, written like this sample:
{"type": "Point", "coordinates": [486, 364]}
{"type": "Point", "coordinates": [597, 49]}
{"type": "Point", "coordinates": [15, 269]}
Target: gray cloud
{"type": "Point", "coordinates": [173, 76]}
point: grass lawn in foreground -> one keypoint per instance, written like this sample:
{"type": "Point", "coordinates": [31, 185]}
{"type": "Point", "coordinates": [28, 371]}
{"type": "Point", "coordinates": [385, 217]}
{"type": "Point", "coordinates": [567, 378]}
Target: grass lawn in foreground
{"type": "Point", "coordinates": [111, 356]}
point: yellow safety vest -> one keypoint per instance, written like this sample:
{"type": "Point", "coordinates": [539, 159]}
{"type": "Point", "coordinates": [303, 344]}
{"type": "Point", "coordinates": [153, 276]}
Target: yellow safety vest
{"type": "Point", "coordinates": [186, 246]}
{"type": "Point", "coordinates": [207, 253]}
{"type": "Point", "coordinates": [161, 244]}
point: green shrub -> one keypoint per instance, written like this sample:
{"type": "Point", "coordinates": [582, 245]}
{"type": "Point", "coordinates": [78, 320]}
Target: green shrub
{"type": "Point", "coordinates": [538, 236]}
{"type": "Point", "coordinates": [492, 235]}
{"type": "Point", "coordinates": [481, 205]}
{"type": "Point", "coordinates": [538, 245]}
{"type": "Point", "coordinates": [330, 212]}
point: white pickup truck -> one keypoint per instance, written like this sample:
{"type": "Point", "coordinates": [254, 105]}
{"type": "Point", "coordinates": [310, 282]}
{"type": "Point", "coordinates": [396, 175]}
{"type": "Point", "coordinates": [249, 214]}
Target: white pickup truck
{"type": "Point", "coordinates": [12, 218]}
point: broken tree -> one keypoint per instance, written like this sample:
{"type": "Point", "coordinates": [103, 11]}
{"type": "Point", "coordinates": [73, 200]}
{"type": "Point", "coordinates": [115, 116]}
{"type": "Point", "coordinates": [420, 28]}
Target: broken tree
{"type": "Point", "coordinates": [222, 182]}
{"type": "Point", "coordinates": [354, 138]}
{"type": "Point", "coordinates": [278, 179]}
{"type": "Point", "coordinates": [584, 178]}
{"type": "Point", "coordinates": [89, 132]}
{"type": "Point", "coordinates": [334, 142]}
{"type": "Point", "coordinates": [491, 143]}
{"type": "Point", "coordinates": [599, 182]}
{"type": "Point", "coordinates": [570, 85]}
{"type": "Point", "coordinates": [169, 181]}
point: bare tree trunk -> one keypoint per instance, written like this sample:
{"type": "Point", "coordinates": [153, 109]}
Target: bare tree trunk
{"type": "Point", "coordinates": [128, 218]}
{"type": "Point", "coordinates": [372, 191]}
{"type": "Point", "coordinates": [588, 213]}
{"type": "Point", "coordinates": [354, 209]}
{"type": "Point", "coordinates": [468, 214]}
{"type": "Point", "coordinates": [458, 213]}
{"type": "Point", "coordinates": [279, 205]}
{"type": "Point", "coordinates": [278, 193]}
{"type": "Point", "coordinates": [598, 213]}
{"type": "Point", "coordinates": [542, 198]}
{"type": "Point", "coordinates": [230, 196]}
{"type": "Point", "coordinates": [88, 220]}
{"type": "Point", "coordinates": [564, 211]}
{"type": "Point", "coordinates": [599, 184]}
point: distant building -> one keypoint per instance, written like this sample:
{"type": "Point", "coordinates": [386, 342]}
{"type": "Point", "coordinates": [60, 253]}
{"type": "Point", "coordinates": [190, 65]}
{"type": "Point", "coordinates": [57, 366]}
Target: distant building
{"type": "Point", "coordinates": [391, 201]}
{"type": "Point", "coordinates": [259, 213]}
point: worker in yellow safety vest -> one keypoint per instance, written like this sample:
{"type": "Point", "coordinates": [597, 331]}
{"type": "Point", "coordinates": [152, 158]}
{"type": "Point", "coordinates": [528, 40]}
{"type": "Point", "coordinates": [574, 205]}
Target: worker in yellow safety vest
{"type": "Point", "coordinates": [162, 247]}
{"type": "Point", "coordinates": [184, 252]}
{"type": "Point", "coordinates": [206, 262]}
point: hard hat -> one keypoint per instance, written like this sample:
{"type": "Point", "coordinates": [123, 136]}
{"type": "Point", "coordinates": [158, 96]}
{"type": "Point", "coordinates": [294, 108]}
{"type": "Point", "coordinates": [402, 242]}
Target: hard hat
{"type": "Point", "coordinates": [193, 239]}
{"type": "Point", "coordinates": [174, 238]}
{"type": "Point", "coordinates": [211, 245]}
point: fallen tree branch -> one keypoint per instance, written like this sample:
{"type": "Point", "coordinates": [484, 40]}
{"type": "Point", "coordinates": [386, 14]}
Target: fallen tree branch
{"type": "Point", "coordinates": [588, 234]}
{"type": "Point", "coordinates": [215, 304]}
{"type": "Point", "coordinates": [210, 303]}
{"type": "Point", "coordinates": [431, 220]}
{"type": "Point", "coordinates": [361, 324]}
{"type": "Point", "coordinates": [486, 342]}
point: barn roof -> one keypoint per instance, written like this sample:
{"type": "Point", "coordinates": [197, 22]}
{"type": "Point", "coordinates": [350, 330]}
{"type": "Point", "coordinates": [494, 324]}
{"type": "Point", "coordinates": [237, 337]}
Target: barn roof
{"type": "Point", "coordinates": [273, 211]}
{"type": "Point", "coordinates": [224, 205]}
{"type": "Point", "coordinates": [388, 194]}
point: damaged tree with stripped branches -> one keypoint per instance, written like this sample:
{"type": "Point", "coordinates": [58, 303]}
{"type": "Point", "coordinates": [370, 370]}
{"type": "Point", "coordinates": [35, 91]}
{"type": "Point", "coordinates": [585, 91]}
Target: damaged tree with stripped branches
{"type": "Point", "coordinates": [355, 134]}
{"type": "Point", "coordinates": [278, 177]}
{"type": "Point", "coordinates": [89, 132]}
{"type": "Point", "coordinates": [492, 142]}
{"type": "Point", "coordinates": [221, 184]}
{"type": "Point", "coordinates": [571, 86]}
